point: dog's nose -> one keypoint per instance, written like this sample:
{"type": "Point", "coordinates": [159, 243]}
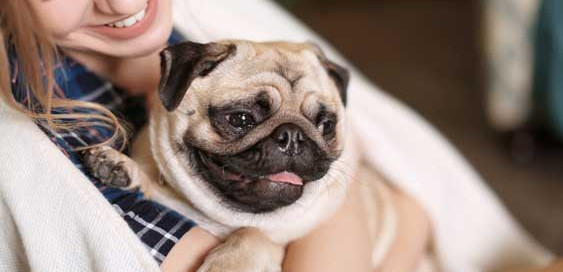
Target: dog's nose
{"type": "Point", "coordinates": [289, 138]}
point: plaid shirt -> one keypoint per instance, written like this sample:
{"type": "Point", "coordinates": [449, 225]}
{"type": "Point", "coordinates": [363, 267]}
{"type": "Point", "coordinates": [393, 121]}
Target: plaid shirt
{"type": "Point", "coordinates": [158, 227]}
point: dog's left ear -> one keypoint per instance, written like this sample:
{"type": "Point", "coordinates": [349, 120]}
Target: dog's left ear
{"type": "Point", "coordinates": [339, 74]}
{"type": "Point", "coordinates": [182, 63]}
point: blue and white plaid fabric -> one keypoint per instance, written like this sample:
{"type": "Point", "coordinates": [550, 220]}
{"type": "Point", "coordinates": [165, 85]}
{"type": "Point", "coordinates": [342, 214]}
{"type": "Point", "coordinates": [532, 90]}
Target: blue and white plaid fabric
{"type": "Point", "coordinates": [157, 226]}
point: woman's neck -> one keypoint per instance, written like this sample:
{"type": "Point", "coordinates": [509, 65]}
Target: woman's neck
{"type": "Point", "coordinates": [139, 76]}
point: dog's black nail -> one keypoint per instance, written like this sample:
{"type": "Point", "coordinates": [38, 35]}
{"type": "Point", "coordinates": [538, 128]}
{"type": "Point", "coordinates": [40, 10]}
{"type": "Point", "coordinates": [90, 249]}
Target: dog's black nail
{"type": "Point", "coordinates": [120, 181]}
{"type": "Point", "coordinates": [103, 171]}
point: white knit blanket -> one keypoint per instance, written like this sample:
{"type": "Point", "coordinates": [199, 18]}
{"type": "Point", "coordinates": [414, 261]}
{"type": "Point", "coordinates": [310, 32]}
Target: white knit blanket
{"type": "Point", "coordinates": [53, 219]}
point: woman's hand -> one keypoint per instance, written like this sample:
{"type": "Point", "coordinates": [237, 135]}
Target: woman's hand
{"type": "Point", "coordinates": [188, 254]}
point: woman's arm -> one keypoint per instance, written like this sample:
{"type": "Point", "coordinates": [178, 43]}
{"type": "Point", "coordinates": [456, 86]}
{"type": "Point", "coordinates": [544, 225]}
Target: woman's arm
{"type": "Point", "coordinates": [337, 245]}
{"type": "Point", "coordinates": [554, 267]}
{"type": "Point", "coordinates": [340, 244]}
{"type": "Point", "coordinates": [343, 244]}
{"type": "Point", "coordinates": [414, 232]}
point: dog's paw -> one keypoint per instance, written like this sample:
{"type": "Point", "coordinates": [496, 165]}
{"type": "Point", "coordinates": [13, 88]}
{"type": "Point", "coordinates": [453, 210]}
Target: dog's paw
{"type": "Point", "coordinates": [225, 258]}
{"type": "Point", "coordinates": [244, 253]}
{"type": "Point", "coordinates": [109, 166]}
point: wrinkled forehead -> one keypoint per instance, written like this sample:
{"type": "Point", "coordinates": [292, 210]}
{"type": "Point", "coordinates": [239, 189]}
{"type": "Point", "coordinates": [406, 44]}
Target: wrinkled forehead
{"type": "Point", "coordinates": [292, 69]}
{"type": "Point", "coordinates": [278, 57]}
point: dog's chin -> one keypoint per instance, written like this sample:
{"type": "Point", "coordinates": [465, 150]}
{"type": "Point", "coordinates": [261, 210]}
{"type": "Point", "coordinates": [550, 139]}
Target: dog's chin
{"type": "Point", "coordinates": [246, 192]}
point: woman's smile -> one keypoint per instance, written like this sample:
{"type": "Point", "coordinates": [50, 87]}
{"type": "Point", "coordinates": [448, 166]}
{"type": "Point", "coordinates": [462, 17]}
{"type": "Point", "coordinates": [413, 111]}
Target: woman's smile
{"type": "Point", "coordinates": [132, 26]}
{"type": "Point", "coordinates": [130, 21]}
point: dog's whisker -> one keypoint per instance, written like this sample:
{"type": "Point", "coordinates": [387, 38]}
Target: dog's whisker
{"type": "Point", "coordinates": [345, 174]}
{"type": "Point", "coordinates": [339, 182]}
{"type": "Point", "coordinates": [344, 165]}
{"type": "Point", "coordinates": [337, 166]}
{"type": "Point", "coordinates": [168, 157]}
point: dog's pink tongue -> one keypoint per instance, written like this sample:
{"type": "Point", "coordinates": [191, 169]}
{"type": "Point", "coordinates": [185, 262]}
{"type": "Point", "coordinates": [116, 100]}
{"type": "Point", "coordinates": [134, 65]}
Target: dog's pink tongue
{"type": "Point", "coordinates": [286, 177]}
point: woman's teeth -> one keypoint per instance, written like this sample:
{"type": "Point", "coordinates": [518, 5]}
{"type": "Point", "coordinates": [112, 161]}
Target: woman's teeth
{"type": "Point", "coordinates": [127, 22]}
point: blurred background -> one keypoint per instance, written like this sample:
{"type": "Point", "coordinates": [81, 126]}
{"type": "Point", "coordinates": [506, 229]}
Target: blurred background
{"type": "Point", "coordinates": [466, 66]}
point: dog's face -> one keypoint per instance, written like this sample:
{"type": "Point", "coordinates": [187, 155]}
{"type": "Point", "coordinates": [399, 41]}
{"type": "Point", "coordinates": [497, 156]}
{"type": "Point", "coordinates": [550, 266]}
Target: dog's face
{"type": "Point", "coordinates": [257, 122]}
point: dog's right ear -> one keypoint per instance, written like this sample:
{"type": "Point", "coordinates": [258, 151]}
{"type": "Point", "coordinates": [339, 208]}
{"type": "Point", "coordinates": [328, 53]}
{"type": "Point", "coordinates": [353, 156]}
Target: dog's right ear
{"type": "Point", "coordinates": [182, 63]}
{"type": "Point", "coordinates": [339, 74]}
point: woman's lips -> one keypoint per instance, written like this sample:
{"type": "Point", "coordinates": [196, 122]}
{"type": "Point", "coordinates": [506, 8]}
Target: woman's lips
{"type": "Point", "coordinates": [119, 31]}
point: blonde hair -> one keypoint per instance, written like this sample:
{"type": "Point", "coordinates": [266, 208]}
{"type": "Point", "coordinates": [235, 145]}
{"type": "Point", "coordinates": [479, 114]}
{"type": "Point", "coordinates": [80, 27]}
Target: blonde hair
{"type": "Point", "coordinates": [37, 56]}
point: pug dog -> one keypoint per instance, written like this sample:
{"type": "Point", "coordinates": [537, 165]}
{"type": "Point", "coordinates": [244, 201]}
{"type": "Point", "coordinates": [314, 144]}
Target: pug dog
{"type": "Point", "coordinates": [250, 141]}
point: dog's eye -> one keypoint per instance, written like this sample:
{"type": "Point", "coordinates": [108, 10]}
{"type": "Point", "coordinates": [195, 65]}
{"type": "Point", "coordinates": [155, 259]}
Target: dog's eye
{"type": "Point", "coordinates": [241, 120]}
{"type": "Point", "coordinates": [327, 127]}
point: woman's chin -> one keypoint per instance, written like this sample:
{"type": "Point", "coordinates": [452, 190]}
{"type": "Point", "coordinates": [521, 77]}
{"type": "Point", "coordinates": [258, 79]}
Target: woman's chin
{"type": "Point", "coordinates": [95, 44]}
{"type": "Point", "coordinates": [151, 41]}
{"type": "Point", "coordinates": [149, 44]}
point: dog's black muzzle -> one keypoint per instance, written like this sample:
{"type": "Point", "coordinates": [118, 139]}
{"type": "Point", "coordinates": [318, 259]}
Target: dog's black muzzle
{"type": "Point", "coordinates": [247, 180]}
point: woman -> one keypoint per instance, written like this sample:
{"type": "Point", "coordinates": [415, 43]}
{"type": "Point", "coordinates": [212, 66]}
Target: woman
{"type": "Point", "coordinates": [117, 41]}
